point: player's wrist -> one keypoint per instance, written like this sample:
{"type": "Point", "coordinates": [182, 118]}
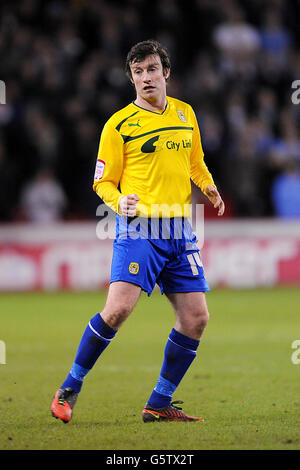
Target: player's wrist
{"type": "Point", "coordinates": [119, 204]}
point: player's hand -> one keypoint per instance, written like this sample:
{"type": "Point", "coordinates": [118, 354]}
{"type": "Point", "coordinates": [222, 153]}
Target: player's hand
{"type": "Point", "coordinates": [215, 198]}
{"type": "Point", "coordinates": [127, 205]}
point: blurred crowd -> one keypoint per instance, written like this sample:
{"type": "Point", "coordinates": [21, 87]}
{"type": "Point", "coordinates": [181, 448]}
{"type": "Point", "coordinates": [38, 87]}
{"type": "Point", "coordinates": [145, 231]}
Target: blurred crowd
{"type": "Point", "coordinates": [62, 62]}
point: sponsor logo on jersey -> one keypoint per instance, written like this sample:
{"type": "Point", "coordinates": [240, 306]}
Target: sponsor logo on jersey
{"type": "Point", "coordinates": [148, 146]}
{"type": "Point", "coordinates": [100, 165]}
{"type": "Point", "coordinates": [159, 142]}
{"type": "Point", "coordinates": [134, 268]}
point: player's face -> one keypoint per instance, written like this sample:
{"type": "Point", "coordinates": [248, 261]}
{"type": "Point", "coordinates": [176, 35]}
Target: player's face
{"type": "Point", "coordinates": [149, 78]}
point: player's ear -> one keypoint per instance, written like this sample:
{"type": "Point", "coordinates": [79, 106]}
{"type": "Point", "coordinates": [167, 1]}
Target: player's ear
{"type": "Point", "coordinates": [166, 74]}
{"type": "Point", "coordinates": [129, 76]}
{"type": "Point", "coordinates": [130, 79]}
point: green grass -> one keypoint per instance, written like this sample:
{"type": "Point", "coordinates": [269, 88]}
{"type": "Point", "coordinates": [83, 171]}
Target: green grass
{"type": "Point", "coordinates": [243, 381]}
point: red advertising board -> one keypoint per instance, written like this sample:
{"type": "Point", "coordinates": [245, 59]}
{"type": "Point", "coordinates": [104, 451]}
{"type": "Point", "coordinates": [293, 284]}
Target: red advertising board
{"type": "Point", "coordinates": [71, 256]}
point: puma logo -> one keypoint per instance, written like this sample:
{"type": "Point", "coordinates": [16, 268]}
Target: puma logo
{"type": "Point", "coordinates": [132, 124]}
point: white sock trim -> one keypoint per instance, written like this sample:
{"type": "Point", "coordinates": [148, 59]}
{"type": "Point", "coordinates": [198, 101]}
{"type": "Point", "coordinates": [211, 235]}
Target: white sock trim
{"type": "Point", "coordinates": [191, 350]}
{"type": "Point", "coordinates": [97, 334]}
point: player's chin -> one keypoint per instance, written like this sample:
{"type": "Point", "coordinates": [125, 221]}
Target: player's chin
{"type": "Point", "coordinates": [149, 92]}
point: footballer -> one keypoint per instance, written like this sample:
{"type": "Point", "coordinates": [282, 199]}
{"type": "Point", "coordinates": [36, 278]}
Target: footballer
{"type": "Point", "coordinates": [148, 154]}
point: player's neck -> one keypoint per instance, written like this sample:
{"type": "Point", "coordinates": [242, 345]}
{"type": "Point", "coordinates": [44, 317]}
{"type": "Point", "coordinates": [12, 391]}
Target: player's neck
{"type": "Point", "coordinates": [157, 105]}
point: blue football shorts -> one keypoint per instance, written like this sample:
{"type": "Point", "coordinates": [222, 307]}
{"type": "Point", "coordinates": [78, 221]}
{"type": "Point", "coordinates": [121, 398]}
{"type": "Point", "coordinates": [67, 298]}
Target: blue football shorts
{"type": "Point", "coordinates": [161, 251]}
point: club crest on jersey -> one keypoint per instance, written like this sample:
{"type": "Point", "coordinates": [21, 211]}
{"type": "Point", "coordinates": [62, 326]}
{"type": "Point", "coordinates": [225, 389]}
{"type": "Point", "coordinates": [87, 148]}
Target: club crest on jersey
{"type": "Point", "coordinates": [134, 268]}
{"type": "Point", "coordinates": [181, 116]}
{"type": "Point", "coordinates": [100, 165]}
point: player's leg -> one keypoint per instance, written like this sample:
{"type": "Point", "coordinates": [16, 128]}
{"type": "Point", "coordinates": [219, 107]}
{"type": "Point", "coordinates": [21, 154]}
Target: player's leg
{"type": "Point", "coordinates": [191, 313]}
{"type": "Point", "coordinates": [184, 284]}
{"type": "Point", "coordinates": [135, 267]}
{"type": "Point", "coordinates": [121, 299]}
{"type": "Point", "coordinates": [101, 329]}
{"type": "Point", "coordinates": [191, 319]}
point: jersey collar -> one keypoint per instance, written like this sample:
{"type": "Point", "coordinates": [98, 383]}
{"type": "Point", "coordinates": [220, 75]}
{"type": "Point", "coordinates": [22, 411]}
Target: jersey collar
{"type": "Point", "coordinates": [154, 112]}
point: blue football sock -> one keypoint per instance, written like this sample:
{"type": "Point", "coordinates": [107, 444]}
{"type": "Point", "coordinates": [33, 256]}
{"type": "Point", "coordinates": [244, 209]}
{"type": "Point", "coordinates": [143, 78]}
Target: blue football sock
{"type": "Point", "coordinates": [180, 351]}
{"type": "Point", "coordinates": [95, 339]}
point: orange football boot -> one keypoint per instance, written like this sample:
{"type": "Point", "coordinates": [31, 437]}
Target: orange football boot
{"type": "Point", "coordinates": [166, 413]}
{"type": "Point", "coordinates": [63, 403]}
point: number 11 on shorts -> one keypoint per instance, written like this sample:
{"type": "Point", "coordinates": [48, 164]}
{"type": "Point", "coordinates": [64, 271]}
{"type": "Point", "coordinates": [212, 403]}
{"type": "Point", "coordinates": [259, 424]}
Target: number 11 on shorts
{"type": "Point", "coordinates": [194, 260]}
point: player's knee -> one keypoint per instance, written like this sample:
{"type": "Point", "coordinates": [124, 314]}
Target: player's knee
{"type": "Point", "coordinates": [193, 322]}
{"type": "Point", "coordinates": [205, 317]}
{"type": "Point", "coordinates": [200, 320]}
{"type": "Point", "coordinates": [116, 316]}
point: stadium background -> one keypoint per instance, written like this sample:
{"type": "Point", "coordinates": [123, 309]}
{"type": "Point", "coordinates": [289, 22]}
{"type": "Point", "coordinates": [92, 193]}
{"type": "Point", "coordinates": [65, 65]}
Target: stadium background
{"type": "Point", "coordinates": [62, 63]}
{"type": "Point", "coordinates": [63, 66]}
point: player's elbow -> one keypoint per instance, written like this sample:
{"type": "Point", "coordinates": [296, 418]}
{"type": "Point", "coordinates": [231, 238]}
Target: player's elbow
{"type": "Point", "coordinates": [95, 186]}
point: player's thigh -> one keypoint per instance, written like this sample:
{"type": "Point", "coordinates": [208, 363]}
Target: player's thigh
{"type": "Point", "coordinates": [138, 262]}
{"type": "Point", "coordinates": [184, 274]}
{"type": "Point", "coordinates": [121, 300]}
{"type": "Point", "coordinates": [191, 312]}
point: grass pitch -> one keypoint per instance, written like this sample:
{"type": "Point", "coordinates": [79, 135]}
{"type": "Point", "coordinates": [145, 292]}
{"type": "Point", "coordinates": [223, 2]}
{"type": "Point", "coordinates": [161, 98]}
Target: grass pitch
{"type": "Point", "coordinates": [243, 382]}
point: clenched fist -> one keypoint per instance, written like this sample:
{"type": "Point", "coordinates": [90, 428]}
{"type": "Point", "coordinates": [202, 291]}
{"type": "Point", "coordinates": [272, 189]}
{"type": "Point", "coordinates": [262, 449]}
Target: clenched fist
{"type": "Point", "coordinates": [127, 205]}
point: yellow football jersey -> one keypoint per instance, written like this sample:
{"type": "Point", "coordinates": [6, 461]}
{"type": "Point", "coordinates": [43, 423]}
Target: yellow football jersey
{"type": "Point", "coordinates": [154, 155]}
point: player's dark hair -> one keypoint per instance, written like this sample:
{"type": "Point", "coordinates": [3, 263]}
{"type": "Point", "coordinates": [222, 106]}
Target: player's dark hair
{"type": "Point", "coordinates": [143, 49]}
